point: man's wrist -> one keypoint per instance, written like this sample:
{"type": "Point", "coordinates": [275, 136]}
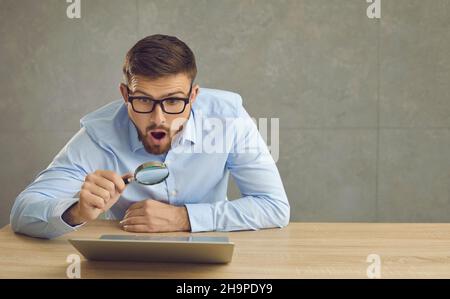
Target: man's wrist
{"type": "Point", "coordinates": [71, 215]}
{"type": "Point", "coordinates": [185, 224]}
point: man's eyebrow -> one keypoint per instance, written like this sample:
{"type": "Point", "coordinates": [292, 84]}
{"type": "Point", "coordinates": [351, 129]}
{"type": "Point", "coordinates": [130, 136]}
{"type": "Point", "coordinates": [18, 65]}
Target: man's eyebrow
{"type": "Point", "coordinates": [165, 96]}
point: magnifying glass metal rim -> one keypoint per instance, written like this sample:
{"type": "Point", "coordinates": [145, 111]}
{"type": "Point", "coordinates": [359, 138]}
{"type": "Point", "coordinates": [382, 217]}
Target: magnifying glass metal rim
{"type": "Point", "coordinates": [152, 164]}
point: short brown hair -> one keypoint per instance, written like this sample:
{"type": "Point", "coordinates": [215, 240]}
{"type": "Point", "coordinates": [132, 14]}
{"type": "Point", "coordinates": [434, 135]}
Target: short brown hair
{"type": "Point", "coordinates": [157, 56]}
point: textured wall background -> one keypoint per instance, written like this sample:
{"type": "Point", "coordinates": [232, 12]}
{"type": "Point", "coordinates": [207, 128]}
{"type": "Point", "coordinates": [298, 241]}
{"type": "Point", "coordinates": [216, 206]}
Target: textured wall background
{"type": "Point", "coordinates": [363, 104]}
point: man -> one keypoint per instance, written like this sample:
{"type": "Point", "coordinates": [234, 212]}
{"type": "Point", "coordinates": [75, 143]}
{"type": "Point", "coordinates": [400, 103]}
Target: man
{"type": "Point", "coordinates": [163, 117]}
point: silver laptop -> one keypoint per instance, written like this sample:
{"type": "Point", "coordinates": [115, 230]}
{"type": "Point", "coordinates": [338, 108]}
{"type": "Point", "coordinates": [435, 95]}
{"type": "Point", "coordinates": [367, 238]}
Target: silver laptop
{"type": "Point", "coordinates": [192, 249]}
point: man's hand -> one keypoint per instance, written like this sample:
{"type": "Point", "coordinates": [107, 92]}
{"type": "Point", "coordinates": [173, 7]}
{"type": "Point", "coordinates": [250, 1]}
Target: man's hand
{"type": "Point", "coordinates": [150, 216]}
{"type": "Point", "coordinates": [99, 192]}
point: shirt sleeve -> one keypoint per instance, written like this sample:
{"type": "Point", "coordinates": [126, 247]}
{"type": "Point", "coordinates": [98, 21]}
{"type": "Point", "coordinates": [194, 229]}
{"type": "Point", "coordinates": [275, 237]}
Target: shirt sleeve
{"type": "Point", "coordinates": [263, 204]}
{"type": "Point", "coordinates": [37, 211]}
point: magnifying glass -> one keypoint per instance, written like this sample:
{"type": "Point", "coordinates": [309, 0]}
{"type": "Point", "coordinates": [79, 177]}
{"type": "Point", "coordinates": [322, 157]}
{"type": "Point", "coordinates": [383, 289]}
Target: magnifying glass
{"type": "Point", "coordinates": [149, 173]}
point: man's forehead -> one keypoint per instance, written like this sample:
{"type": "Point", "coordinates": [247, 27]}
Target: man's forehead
{"type": "Point", "coordinates": [160, 87]}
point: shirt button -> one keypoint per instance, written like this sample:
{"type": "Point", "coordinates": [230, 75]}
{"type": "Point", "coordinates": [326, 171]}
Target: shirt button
{"type": "Point", "coordinates": [174, 193]}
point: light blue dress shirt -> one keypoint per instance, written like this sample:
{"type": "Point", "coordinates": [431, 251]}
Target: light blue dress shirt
{"type": "Point", "coordinates": [198, 178]}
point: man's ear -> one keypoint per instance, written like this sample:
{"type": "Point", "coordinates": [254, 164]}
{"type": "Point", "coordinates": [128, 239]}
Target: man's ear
{"type": "Point", "coordinates": [124, 91]}
{"type": "Point", "coordinates": [194, 93]}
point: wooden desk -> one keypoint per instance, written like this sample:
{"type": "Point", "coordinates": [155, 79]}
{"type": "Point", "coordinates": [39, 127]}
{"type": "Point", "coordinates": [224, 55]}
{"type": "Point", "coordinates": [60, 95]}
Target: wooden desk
{"type": "Point", "coordinates": [301, 250]}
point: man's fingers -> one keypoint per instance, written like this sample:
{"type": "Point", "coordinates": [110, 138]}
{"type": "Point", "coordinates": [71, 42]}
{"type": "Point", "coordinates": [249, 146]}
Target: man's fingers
{"type": "Point", "coordinates": [93, 200]}
{"type": "Point", "coordinates": [113, 177]}
{"type": "Point", "coordinates": [134, 220]}
{"type": "Point", "coordinates": [134, 213]}
{"type": "Point", "coordinates": [137, 228]}
{"type": "Point", "coordinates": [99, 191]}
{"type": "Point", "coordinates": [127, 175]}
{"type": "Point", "coordinates": [105, 184]}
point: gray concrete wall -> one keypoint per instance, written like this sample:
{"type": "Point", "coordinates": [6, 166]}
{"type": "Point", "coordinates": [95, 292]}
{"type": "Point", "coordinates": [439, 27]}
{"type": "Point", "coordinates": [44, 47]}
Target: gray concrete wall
{"type": "Point", "coordinates": [363, 104]}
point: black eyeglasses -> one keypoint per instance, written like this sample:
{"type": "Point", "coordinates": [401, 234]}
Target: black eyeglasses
{"type": "Point", "coordinates": [172, 105]}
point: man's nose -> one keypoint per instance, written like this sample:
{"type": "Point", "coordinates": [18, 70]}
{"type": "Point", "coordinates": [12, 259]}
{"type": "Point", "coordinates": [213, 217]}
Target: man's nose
{"type": "Point", "coordinates": [158, 115]}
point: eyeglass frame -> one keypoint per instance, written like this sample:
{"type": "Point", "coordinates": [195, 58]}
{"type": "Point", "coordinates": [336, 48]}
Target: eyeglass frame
{"type": "Point", "coordinates": [159, 102]}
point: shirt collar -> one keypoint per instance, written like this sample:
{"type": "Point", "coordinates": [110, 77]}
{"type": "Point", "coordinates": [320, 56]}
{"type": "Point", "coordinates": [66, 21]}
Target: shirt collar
{"type": "Point", "coordinates": [135, 143]}
{"type": "Point", "coordinates": [187, 134]}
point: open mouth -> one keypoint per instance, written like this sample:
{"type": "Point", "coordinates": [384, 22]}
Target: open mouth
{"type": "Point", "coordinates": [158, 135]}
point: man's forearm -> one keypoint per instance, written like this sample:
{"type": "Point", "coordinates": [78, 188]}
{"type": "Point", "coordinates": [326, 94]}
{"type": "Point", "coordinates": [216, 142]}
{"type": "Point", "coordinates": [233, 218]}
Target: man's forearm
{"type": "Point", "coordinates": [39, 216]}
{"type": "Point", "coordinates": [246, 213]}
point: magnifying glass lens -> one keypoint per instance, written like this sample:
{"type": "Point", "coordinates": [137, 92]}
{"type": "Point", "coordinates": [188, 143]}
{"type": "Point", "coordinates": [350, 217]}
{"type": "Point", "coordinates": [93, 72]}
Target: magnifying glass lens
{"type": "Point", "coordinates": [150, 173]}
{"type": "Point", "coordinates": [151, 176]}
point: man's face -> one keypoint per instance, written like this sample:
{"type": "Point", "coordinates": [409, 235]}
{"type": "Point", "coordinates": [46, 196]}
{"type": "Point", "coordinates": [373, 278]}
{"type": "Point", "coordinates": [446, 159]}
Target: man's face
{"type": "Point", "coordinates": [157, 128]}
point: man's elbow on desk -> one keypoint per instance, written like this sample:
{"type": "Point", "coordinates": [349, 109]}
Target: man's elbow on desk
{"type": "Point", "coordinates": [273, 213]}
{"type": "Point", "coordinates": [17, 225]}
{"type": "Point", "coordinates": [284, 215]}
{"type": "Point", "coordinates": [35, 216]}
{"type": "Point", "coordinates": [280, 210]}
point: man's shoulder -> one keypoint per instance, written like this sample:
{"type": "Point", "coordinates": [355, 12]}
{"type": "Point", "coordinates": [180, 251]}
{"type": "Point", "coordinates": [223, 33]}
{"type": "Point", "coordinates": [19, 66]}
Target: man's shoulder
{"type": "Point", "coordinates": [216, 102]}
{"type": "Point", "coordinates": [107, 125]}
{"type": "Point", "coordinates": [110, 112]}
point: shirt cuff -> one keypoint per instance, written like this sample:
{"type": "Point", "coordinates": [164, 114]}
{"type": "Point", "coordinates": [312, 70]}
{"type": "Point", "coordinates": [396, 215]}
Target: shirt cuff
{"type": "Point", "coordinates": [55, 216]}
{"type": "Point", "coordinates": [201, 217]}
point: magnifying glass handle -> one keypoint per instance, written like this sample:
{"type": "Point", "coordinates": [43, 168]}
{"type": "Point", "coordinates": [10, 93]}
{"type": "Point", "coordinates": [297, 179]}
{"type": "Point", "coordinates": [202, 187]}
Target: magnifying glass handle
{"type": "Point", "coordinates": [128, 180]}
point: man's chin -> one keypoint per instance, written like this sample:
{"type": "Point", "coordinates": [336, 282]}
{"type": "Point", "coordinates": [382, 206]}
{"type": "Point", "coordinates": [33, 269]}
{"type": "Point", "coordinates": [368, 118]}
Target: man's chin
{"type": "Point", "coordinates": [157, 149]}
